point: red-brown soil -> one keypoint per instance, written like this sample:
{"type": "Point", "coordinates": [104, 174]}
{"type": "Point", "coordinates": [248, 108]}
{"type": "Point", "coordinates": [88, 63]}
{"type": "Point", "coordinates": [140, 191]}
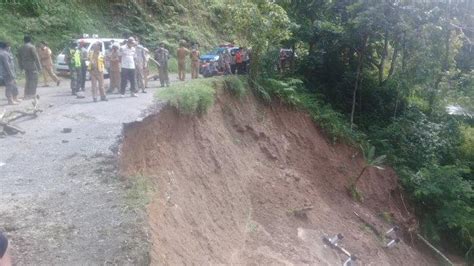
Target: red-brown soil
{"type": "Point", "coordinates": [227, 185]}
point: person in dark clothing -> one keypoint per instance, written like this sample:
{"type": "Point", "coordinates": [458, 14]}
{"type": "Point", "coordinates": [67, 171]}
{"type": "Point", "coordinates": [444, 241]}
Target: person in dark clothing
{"type": "Point", "coordinates": [28, 60]}
{"type": "Point", "coordinates": [7, 73]}
{"type": "Point", "coordinates": [84, 57]}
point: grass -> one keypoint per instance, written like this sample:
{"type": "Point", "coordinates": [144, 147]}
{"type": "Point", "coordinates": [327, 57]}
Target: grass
{"type": "Point", "coordinates": [139, 191]}
{"type": "Point", "coordinates": [235, 85]}
{"type": "Point", "coordinates": [192, 97]}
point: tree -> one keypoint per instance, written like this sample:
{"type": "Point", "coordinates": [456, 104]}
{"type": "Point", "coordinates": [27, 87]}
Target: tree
{"type": "Point", "coordinates": [259, 24]}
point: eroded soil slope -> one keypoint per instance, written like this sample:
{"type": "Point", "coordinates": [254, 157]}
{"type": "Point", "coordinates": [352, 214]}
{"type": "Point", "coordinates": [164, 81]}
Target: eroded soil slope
{"type": "Point", "coordinates": [228, 185]}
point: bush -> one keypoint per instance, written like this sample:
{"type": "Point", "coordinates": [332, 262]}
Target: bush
{"type": "Point", "coordinates": [235, 85]}
{"type": "Point", "coordinates": [194, 97]}
{"type": "Point", "coordinates": [331, 121]}
{"type": "Point", "coordinates": [444, 198]}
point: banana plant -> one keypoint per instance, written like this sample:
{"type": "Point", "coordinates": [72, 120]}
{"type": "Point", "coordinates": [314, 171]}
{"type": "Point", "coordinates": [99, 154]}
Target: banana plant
{"type": "Point", "coordinates": [370, 161]}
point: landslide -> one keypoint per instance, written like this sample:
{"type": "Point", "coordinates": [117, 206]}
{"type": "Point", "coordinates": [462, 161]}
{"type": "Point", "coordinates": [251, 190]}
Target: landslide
{"type": "Point", "coordinates": [229, 186]}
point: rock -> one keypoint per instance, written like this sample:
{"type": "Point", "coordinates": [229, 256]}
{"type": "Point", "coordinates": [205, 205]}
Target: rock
{"type": "Point", "coordinates": [66, 130]}
{"type": "Point", "coordinates": [65, 141]}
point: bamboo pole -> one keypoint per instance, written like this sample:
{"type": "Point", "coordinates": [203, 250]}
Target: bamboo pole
{"type": "Point", "coordinates": [435, 250]}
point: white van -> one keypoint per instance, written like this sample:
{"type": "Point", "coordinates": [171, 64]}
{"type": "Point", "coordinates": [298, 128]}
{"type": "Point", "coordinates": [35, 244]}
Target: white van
{"type": "Point", "coordinates": [61, 66]}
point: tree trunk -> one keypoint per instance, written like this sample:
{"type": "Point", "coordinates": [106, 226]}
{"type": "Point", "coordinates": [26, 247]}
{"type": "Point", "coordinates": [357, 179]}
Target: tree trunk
{"type": "Point", "coordinates": [393, 63]}
{"type": "Point", "coordinates": [444, 64]}
{"type": "Point", "coordinates": [356, 180]}
{"type": "Point", "coordinates": [359, 71]}
{"type": "Point", "coordinates": [381, 65]}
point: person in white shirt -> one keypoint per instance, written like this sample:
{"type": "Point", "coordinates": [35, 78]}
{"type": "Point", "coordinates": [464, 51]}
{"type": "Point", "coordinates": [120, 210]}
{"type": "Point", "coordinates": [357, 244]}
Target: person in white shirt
{"type": "Point", "coordinates": [127, 57]}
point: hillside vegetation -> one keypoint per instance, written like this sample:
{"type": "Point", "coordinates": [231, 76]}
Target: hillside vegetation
{"type": "Point", "coordinates": [153, 21]}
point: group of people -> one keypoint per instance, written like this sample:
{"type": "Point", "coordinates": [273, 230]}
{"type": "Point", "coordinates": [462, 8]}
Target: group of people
{"type": "Point", "coordinates": [30, 59]}
{"type": "Point", "coordinates": [126, 63]}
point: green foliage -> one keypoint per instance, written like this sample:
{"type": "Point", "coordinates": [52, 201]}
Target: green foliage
{"type": "Point", "coordinates": [257, 24]}
{"type": "Point", "coordinates": [57, 22]}
{"type": "Point", "coordinates": [414, 140]}
{"type": "Point", "coordinates": [193, 97]}
{"type": "Point", "coordinates": [139, 190]}
{"type": "Point", "coordinates": [235, 85]}
{"type": "Point", "coordinates": [331, 121]}
{"type": "Point", "coordinates": [287, 91]}
{"type": "Point", "coordinates": [446, 199]}
{"type": "Point", "coordinates": [370, 161]}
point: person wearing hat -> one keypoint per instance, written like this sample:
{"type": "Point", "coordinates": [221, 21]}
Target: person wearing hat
{"type": "Point", "coordinates": [114, 59]}
{"type": "Point", "coordinates": [195, 61]}
{"type": "Point", "coordinates": [96, 70]}
{"type": "Point", "coordinates": [162, 55]}
{"type": "Point", "coordinates": [127, 56]}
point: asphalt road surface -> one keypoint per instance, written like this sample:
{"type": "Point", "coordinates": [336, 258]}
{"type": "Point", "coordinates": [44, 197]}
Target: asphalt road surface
{"type": "Point", "coordinates": [61, 199]}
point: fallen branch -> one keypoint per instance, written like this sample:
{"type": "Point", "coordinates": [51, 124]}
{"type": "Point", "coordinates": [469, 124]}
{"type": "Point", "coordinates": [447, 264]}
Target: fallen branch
{"type": "Point", "coordinates": [370, 225]}
{"type": "Point", "coordinates": [6, 118]}
{"type": "Point", "coordinates": [434, 249]}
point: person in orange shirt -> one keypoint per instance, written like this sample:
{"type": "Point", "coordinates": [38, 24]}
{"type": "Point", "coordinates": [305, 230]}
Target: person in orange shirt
{"type": "Point", "coordinates": [182, 53]}
{"type": "Point", "coordinates": [239, 61]}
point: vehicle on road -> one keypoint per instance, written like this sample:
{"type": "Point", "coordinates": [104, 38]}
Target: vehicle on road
{"type": "Point", "coordinates": [215, 54]}
{"type": "Point", "coordinates": [62, 68]}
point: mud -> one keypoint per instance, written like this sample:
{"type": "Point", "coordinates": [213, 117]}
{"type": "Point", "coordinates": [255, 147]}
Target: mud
{"type": "Point", "coordinates": [231, 186]}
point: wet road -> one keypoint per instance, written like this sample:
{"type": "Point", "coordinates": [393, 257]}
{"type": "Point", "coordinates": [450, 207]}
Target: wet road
{"type": "Point", "coordinates": [61, 199]}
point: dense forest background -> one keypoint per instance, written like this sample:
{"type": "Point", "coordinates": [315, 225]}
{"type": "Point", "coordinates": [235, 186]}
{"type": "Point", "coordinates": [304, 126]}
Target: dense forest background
{"type": "Point", "coordinates": [377, 74]}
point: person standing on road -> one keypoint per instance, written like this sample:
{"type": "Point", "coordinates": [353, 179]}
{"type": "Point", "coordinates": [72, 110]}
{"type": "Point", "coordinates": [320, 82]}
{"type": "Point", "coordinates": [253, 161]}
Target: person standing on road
{"type": "Point", "coordinates": [195, 62]}
{"type": "Point", "coordinates": [127, 55]}
{"type": "Point", "coordinates": [114, 59]}
{"type": "Point", "coordinates": [47, 63]}
{"type": "Point", "coordinates": [28, 60]}
{"type": "Point", "coordinates": [182, 53]}
{"type": "Point", "coordinates": [140, 58]}
{"type": "Point", "coordinates": [96, 70]}
{"type": "Point", "coordinates": [146, 70]}
{"type": "Point", "coordinates": [73, 59]}
{"type": "Point", "coordinates": [239, 61]}
{"type": "Point", "coordinates": [162, 56]}
{"type": "Point", "coordinates": [84, 56]}
{"type": "Point", "coordinates": [227, 59]}
{"type": "Point", "coordinates": [7, 74]}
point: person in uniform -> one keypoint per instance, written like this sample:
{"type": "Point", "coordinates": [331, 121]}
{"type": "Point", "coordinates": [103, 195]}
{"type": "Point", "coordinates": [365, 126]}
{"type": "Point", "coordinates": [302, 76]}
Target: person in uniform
{"type": "Point", "coordinates": [114, 59]}
{"type": "Point", "coordinates": [182, 53]}
{"type": "Point", "coordinates": [227, 60]}
{"type": "Point", "coordinates": [162, 56]}
{"type": "Point", "coordinates": [140, 58]}
{"type": "Point", "coordinates": [195, 62]}
{"type": "Point", "coordinates": [28, 60]}
{"type": "Point", "coordinates": [96, 70]}
{"type": "Point", "coordinates": [146, 70]}
{"type": "Point", "coordinates": [45, 54]}
{"type": "Point", "coordinates": [7, 73]}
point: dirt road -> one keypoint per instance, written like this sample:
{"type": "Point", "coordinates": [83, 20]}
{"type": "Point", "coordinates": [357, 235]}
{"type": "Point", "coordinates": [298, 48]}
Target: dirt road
{"type": "Point", "coordinates": [61, 199]}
